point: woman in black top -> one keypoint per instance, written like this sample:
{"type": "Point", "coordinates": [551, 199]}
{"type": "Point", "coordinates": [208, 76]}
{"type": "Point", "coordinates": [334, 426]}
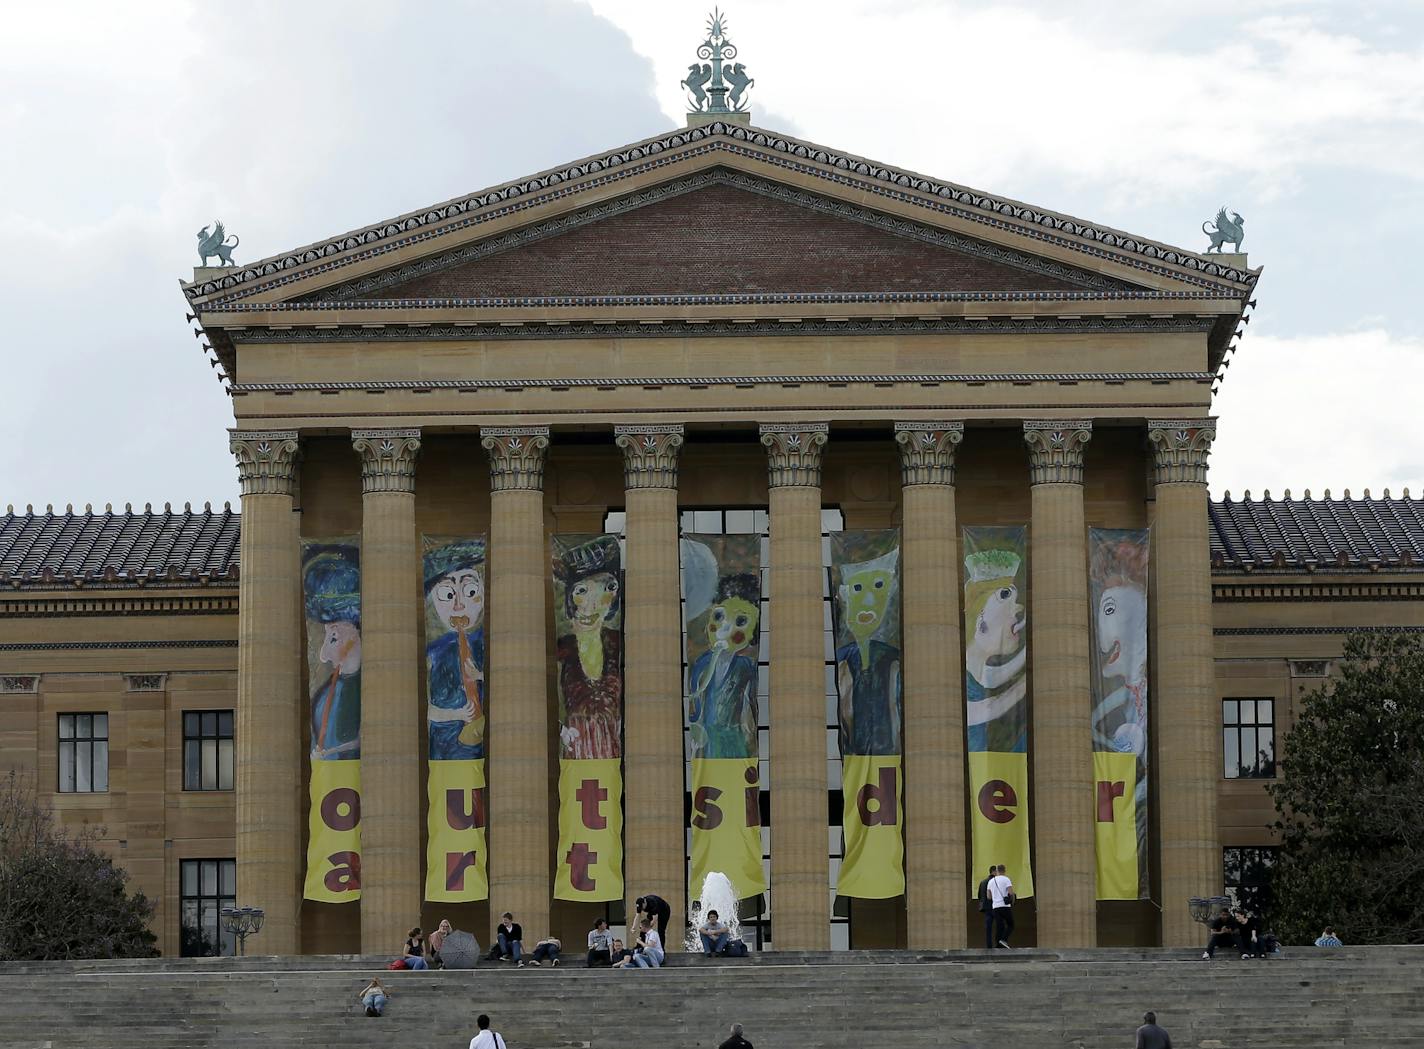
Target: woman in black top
{"type": "Point", "coordinates": [415, 950]}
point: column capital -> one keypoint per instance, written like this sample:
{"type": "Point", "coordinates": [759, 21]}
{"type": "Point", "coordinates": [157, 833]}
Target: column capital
{"type": "Point", "coordinates": [266, 460]}
{"type": "Point", "coordinates": [1055, 449]}
{"type": "Point", "coordinates": [649, 454]}
{"type": "Point", "coordinates": [793, 453]}
{"type": "Point", "coordinates": [516, 455]}
{"type": "Point", "coordinates": [1180, 448]}
{"type": "Point", "coordinates": [927, 451]}
{"type": "Point", "coordinates": [387, 459]}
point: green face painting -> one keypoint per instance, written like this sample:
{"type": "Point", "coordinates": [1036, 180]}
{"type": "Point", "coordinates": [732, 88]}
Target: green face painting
{"type": "Point", "coordinates": [865, 595]}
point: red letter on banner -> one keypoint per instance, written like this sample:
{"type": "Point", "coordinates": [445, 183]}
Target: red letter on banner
{"type": "Point", "coordinates": [590, 794]}
{"type": "Point", "coordinates": [883, 794]}
{"type": "Point", "coordinates": [705, 814]}
{"type": "Point", "coordinates": [455, 813]}
{"type": "Point", "coordinates": [345, 873]}
{"type": "Point", "coordinates": [579, 857]}
{"type": "Point", "coordinates": [331, 809]}
{"type": "Point", "coordinates": [1106, 792]}
{"type": "Point", "coordinates": [455, 865]}
{"type": "Point", "coordinates": [996, 799]}
{"type": "Point", "coordinates": [753, 798]}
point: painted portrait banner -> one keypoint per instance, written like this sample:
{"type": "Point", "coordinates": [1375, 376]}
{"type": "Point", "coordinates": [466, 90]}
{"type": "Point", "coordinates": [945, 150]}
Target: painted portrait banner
{"type": "Point", "coordinates": [588, 646]}
{"type": "Point", "coordinates": [865, 580]}
{"type": "Point", "coordinates": [721, 589]}
{"type": "Point", "coordinates": [1117, 581]}
{"type": "Point", "coordinates": [996, 701]}
{"type": "Point", "coordinates": [456, 861]}
{"type": "Point", "coordinates": [331, 596]}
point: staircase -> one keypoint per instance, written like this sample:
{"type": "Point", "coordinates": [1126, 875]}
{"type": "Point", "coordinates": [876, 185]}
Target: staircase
{"type": "Point", "coordinates": [1024, 999]}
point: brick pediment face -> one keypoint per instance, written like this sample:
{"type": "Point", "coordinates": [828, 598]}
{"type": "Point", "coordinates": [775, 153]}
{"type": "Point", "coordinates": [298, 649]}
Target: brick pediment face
{"type": "Point", "coordinates": [719, 238]}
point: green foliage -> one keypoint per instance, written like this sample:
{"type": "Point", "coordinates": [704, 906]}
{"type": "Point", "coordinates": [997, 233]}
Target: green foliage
{"type": "Point", "coordinates": [1351, 801]}
{"type": "Point", "coordinates": [60, 897]}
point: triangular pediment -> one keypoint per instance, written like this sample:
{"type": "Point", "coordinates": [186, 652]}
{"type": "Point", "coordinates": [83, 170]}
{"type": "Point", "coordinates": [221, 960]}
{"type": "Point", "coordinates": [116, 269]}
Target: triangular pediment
{"type": "Point", "coordinates": [719, 233]}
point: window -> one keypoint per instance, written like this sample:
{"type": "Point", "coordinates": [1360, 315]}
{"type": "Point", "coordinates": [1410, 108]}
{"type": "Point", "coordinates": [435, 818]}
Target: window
{"type": "Point", "coordinates": [207, 750]}
{"type": "Point", "coordinates": [205, 887]}
{"type": "Point", "coordinates": [1248, 729]}
{"type": "Point", "coordinates": [1246, 875]}
{"type": "Point", "coordinates": [83, 753]}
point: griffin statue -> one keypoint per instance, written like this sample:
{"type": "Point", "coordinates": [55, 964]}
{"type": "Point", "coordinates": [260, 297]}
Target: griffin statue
{"type": "Point", "coordinates": [1229, 229]}
{"type": "Point", "coordinates": [215, 243]}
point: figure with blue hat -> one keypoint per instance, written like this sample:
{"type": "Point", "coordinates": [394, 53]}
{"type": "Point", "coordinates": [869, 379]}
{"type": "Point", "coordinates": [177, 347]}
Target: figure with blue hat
{"type": "Point", "coordinates": [331, 579]}
{"type": "Point", "coordinates": [455, 661]}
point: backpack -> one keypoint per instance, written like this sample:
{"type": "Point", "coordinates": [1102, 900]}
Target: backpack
{"type": "Point", "coordinates": [735, 949]}
{"type": "Point", "coordinates": [399, 963]}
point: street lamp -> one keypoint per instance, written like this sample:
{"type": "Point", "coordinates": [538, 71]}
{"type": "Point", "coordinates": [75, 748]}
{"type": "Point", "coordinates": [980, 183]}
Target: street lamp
{"type": "Point", "coordinates": [1204, 908]}
{"type": "Point", "coordinates": [242, 922]}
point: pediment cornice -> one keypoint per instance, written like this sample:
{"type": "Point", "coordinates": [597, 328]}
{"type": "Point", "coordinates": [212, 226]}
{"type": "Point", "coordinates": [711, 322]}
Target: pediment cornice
{"type": "Point", "coordinates": [780, 159]}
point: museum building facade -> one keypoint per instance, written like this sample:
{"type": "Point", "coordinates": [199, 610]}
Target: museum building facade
{"type": "Point", "coordinates": [510, 463]}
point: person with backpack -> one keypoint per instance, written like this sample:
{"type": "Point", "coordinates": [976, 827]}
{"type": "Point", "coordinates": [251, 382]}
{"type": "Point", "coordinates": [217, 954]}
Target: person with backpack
{"type": "Point", "coordinates": [986, 908]}
{"type": "Point", "coordinates": [485, 1038]}
{"type": "Point", "coordinates": [1001, 898]}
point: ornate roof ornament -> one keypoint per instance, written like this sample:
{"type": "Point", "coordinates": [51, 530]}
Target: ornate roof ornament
{"type": "Point", "coordinates": [711, 88]}
{"type": "Point", "coordinates": [216, 243]}
{"type": "Point", "coordinates": [1228, 229]}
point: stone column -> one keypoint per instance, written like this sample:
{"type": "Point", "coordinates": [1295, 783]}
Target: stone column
{"type": "Point", "coordinates": [800, 869]}
{"type": "Point", "coordinates": [391, 705]}
{"type": "Point", "coordinates": [517, 755]}
{"type": "Point", "coordinates": [652, 670]}
{"type": "Point", "coordinates": [933, 687]}
{"type": "Point", "coordinates": [1064, 863]}
{"type": "Point", "coordinates": [1188, 723]}
{"type": "Point", "coordinates": [269, 688]}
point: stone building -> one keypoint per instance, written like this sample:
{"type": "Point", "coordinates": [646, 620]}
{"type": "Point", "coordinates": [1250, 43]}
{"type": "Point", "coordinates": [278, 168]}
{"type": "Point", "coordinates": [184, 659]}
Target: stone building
{"type": "Point", "coordinates": [716, 329]}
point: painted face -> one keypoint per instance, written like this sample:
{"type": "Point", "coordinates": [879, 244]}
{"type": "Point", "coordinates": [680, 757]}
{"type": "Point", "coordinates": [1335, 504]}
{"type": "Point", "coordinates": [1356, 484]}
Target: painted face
{"type": "Point", "coordinates": [1122, 633]}
{"type": "Point", "coordinates": [1002, 621]}
{"type": "Point", "coordinates": [459, 599]}
{"type": "Point", "coordinates": [865, 595]}
{"type": "Point", "coordinates": [593, 597]}
{"type": "Point", "coordinates": [341, 647]}
{"type": "Point", "coordinates": [732, 624]}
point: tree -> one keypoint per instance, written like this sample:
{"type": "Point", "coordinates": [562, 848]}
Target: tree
{"type": "Point", "coordinates": [60, 897]}
{"type": "Point", "coordinates": [1350, 800]}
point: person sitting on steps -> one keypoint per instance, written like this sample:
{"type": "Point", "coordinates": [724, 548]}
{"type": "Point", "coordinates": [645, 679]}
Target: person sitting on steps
{"type": "Point", "coordinates": [415, 950]}
{"type": "Point", "coordinates": [546, 950]}
{"type": "Point", "coordinates": [437, 940]}
{"type": "Point", "coordinates": [651, 956]}
{"type": "Point", "coordinates": [509, 938]}
{"type": "Point", "coordinates": [714, 934]}
{"type": "Point", "coordinates": [600, 942]}
{"type": "Point", "coordinates": [620, 957]}
{"type": "Point", "coordinates": [1224, 929]}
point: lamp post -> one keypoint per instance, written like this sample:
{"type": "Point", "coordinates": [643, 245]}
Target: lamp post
{"type": "Point", "coordinates": [242, 922]}
{"type": "Point", "coordinates": [1204, 908]}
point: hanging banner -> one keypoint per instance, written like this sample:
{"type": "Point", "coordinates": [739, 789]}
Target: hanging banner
{"type": "Point", "coordinates": [721, 590]}
{"type": "Point", "coordinates": [1117, 583]}
{"type": "Point", "coordinates": [456, 863]}
{"type": "Point", "coordinates": [865, 579]}
{"type": "Point", "coordinates": [588, 632]}
{"type": "Point", "coordinates": [996, 701]}
{"type": "Point", "coordinates": [331, 596]}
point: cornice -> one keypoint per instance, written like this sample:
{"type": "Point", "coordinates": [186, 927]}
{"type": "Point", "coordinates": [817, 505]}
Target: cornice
{"type": "Point", "coordinates": [927, 451]}
{"type": "Point", "coordinates": [650, 454]}
{"type": "Point", "coordinates": [1374, 588]}
{"type": "Point", "coordinates": [77, 646]}
{"type": "Point", "coordinates": [118, 605]}
{"type": "Point", "coordinates": [788, 154]}
{"type": "Point", "coordinates": [1055, 449]}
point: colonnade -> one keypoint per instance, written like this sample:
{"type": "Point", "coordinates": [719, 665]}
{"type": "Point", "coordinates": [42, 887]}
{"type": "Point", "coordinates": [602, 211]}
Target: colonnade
{"type": "Point", "coordinates": [271, 701]}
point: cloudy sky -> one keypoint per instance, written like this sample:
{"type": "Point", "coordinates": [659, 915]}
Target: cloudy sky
{"type": "Point", "coordinates": [125, 127]}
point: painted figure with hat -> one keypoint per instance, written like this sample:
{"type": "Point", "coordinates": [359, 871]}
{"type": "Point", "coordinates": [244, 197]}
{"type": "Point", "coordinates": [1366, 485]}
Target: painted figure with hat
{"type": "Point", "coordinates": [455, 660]}
{"type": "Point", "coordinates": [996, 652]}
{"type": "Point", "coordinates": [867, 636]}
{"type": "Point", "coordinates": [331, 582]}
{"type": "Point", "coordinates": [590, 646]}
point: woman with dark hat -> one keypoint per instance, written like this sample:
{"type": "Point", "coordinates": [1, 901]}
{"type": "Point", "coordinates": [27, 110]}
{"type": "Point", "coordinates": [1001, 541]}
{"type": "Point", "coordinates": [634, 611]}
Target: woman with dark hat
{"type": "Point", "coordinates": [455, 661]}
{"type": "Point", "coordinates": [331, 579]}
{"type": "Point", "coordinates": [590, 654]}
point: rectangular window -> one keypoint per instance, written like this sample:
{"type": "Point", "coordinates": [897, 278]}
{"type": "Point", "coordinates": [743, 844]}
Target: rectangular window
{"type": "Point", "coordinates": [83, 753]}
{"type": "Point", "coordinates": [1246, 876]}
{"type": "Point", "coordinates": [1248, 737]}
{"type": "Point", "coordinates": [207, 750]}
{"type": "Point", "coordinates": [205, 887]}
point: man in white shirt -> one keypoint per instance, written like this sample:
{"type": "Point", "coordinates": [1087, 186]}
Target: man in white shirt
{"type": "Point", "coordinates": [486, 1039]}
{"type": "Point", "coordinates": [1001, 898]}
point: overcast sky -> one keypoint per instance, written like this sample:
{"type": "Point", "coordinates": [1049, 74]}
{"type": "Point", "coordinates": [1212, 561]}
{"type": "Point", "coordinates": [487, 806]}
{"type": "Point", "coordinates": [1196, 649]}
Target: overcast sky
{"type": "Point", "coordinates": [125, 127]}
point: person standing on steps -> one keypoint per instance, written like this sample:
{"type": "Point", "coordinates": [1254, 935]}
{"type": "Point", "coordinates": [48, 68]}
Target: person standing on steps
{"type": "Point", "coordinates": [1001, 898]}
{"type": "Point", "coordinates": [485, 1038]}
{"type": "Point", "coordinates": [736, 1041]}
{"type": "Point", "coordinates": [657, 910]}
{"type": "Point", "coordinates": [986, 908]}
{"type": "Point", "coordinates": [1150, 1036]}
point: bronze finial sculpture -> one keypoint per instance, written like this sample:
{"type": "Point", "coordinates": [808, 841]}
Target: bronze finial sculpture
{"type": "Point", "coordinates": [215, 243]}
{"type": "Point", "coordinates": [708, 85]}
{"type": "Point", "coordinates": [1229, 229]}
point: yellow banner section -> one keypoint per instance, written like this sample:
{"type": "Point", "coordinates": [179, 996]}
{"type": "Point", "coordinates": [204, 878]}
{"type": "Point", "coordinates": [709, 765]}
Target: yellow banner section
{"type": "Point", "coordinates": [1115, 818]}
{"type": "Point", "coordinates": [590, 856]}
{"type": "Point", "coordinates": [455, 858]}
{"type": "Point", "coordinates": [998, 814]}
{"type": "Point", "coordinates": [873, 867]}
{"type": "Point", "coordinates": [726, 824]}
{"type": "Point", "coordinates": [334, 849]}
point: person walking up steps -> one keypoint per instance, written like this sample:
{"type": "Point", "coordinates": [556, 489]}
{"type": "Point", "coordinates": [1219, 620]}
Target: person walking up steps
{"type": "Point", "coordinates": [986, 907]}
{"type": "Point", "coordinates": [1001, 898]}
{"type": "Point", "coordinates": [1150, 1036]}
{"type": "Point", "coordinates": [485, 1038]}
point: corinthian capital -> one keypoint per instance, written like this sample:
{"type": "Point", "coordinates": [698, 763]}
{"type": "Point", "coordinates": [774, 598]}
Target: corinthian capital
{"type": "Point", "coordinates": [1055, 449]}
{"type": "Point", "coordinates": [1180, 448]}
{"type": "Point", "coordinates": [927, 451]}
{"type": "Point", "coordinates": [516, 455]}
{"type": "Point", "coordinates": [387, 459]}
{"type": "Point", "coordinates": [266, 460]}
{"type": "Point", "coordinates": [793, 453]}
{"type": "Point", "coordinates": [649, 455]}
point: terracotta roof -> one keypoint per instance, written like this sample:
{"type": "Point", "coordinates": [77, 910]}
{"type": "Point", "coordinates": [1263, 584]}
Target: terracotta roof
{"type": "Point", "coordinates": [123, 547]}
{"type": "Point", "coordinates": [1364, 534]}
